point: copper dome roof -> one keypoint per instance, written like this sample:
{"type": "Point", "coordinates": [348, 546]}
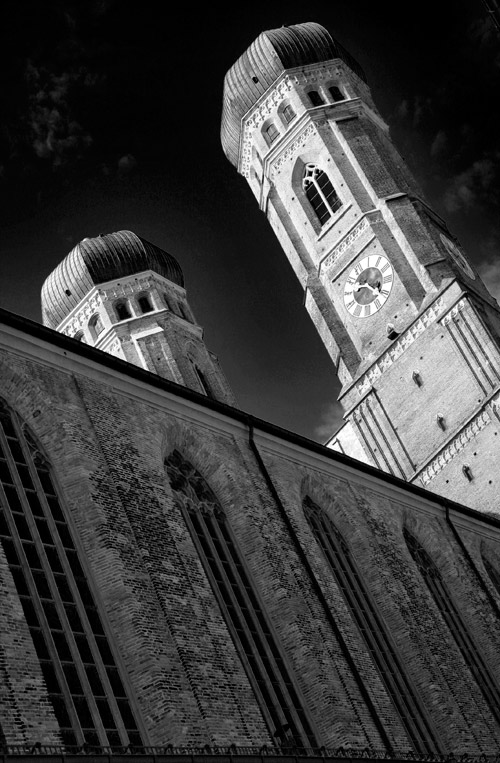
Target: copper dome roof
{"type": "Point", "coordinates": [97, 260]}
{"type": "Point", "coordinates": [266, 58]}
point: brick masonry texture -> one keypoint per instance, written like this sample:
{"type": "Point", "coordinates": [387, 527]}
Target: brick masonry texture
{"type": "Point", "coordinates": [187, 683]}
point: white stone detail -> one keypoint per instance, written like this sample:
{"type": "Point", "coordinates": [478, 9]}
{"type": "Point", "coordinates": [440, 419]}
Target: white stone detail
{"type": "Point", "coordinates": [396, 350]}
{"type": "Point", "coordinates": [272, 99]}
{"type": "Point", "coordinates": [79, 320]}
{"type": "Point", "coordinates": [452, 314]}
{"type": "Point", "coordinates": [292, 149]}
{"type": "Point", "coordinates": [458, 444]}
{"type": "Point", "coordinates": [344, 244]}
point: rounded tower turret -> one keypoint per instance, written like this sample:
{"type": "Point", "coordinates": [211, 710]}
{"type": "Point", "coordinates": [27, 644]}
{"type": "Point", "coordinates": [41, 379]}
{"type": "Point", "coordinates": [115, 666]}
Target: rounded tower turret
{"type": "Point", "coordinates": [126, 296]}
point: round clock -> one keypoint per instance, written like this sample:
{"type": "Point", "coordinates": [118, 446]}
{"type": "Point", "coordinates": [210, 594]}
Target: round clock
{"type": "Point", "coordinates": [368, 286]}
{"type": "Point", "coordinates": [457, 256]}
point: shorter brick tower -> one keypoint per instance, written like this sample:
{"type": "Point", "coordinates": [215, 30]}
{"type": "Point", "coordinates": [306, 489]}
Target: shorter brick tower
{"type": "Point", "coordinates": [126, 297]}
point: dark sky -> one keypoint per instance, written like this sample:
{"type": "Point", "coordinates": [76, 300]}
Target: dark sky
{"type": "Point", "coordinates": [110, 117]}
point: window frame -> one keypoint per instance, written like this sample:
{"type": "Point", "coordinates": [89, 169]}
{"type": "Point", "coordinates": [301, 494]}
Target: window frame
{"type": "Point", "coordinates": [60, 595]}
{"type": "Point", "coordinates": [373, 633]}
{"type": "Point", "coordinates": [218, 520]}
{"type": "Point", "coordinates": [476, 664]}
{"type": "Point", "coordinates": [310, 174]}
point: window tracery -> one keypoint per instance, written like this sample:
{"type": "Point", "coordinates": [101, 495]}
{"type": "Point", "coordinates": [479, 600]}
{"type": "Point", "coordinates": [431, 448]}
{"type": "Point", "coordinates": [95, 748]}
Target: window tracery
{"type": "Point", "coordinates": [377, 640]}
{"type": "Point", "coordinates": [82, 679]}
{"type": "Point", "coordinates": [453, 619]}
{"type": "Point", "coordinates": [320, 193]}
{"type": "Point", "coordinates": [234, 590]}
{"type": "Point", "coordinates": [493, 573]}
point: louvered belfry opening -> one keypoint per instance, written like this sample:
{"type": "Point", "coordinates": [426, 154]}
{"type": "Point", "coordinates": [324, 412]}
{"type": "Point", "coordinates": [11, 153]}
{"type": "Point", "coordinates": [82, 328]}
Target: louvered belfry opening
{"type": "Point", "coordinates": [453, 619]}
{"type": "Point", "coordinates": [81, 675]}
{"type": "Point", "coordinates": [243, 613]}
{"type": "Point", "coordinates": [372, 629]}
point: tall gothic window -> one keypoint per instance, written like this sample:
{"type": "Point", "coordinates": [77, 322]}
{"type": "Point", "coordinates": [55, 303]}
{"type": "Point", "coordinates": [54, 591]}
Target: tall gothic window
{"type": "Point", "coordinates": [493, 573]}
{"type": "Point", "coordinates": [455, 623]}
{"type": "Point", "coordinates": [320, 193]}
{"type": "Point", "coordinates": [247, 623]}
{"type": "Point", "coordinates": [82, 679]}
{"type": "Point", "coordinates": [203, 382]}
{"type": "Point", "coordinates": [373, 631]}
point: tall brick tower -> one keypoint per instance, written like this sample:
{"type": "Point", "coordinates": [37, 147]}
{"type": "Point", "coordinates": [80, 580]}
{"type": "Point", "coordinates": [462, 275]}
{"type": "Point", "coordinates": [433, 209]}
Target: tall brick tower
{"type": "Point", "coordinates": [126, 296]}
{"type": "Point", "coordinates": [411, 328]}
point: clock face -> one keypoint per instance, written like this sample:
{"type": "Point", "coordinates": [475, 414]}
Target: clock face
{"type": "Point", "coordinates": [457, 256]}
{"type": "Point", "coordinates": [368, 286]}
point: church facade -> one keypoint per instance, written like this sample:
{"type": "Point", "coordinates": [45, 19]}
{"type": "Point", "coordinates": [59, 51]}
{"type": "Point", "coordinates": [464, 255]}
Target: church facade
{"type": "Point", "coordinates": [179, 577]}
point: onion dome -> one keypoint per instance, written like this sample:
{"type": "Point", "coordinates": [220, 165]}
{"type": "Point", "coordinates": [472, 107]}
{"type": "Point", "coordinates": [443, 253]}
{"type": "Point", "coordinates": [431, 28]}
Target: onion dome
{"type": "Point", "coordinates": [263, 62]}
{"type": "Point", "coordinates": [96, 260]}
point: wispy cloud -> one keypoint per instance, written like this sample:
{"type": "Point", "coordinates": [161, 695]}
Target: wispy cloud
{"type": "Point", "coordinates": [331, 420]}
{"type": "Point", "coordinates": [473, 184]}
{"type": "Point", "coordinates": [56, 136]}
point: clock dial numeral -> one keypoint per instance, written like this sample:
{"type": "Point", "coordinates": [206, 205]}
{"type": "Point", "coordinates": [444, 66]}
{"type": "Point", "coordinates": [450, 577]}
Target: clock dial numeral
{"type": "Point", "coordinates": [368, 286]}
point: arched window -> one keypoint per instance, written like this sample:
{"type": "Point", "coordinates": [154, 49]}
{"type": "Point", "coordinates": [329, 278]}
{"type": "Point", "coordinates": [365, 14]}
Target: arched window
{"type": "Point", "coordinates": [315, 98]}
{"type": "Point", "coordinates": [336, 93]}
{"type": "Point", "coordinates": [144, 304]}
{"type": "Point", "coordinates": [288, 114]}
{"type": "Point", "coordinates": [82, 678]}
{"type": "Point", "coordinates": [234, 590]}
{"type": "Point", "coordinates": [371, 627]}
{"type": "Point", "coordinates": [96, 326]}
{"type": "Point", "coordinates": [122, 310]}
{"type": "Point", "coordinates": [271, 133]}
{"type": "Point", "coordinates": [80, 337]}
{"type": "Point", "coordinates": [203, 382]}
{"type": "Point", "coordinates": [471, 654]}
{"type": "Point", "coordinates": [320, 193]}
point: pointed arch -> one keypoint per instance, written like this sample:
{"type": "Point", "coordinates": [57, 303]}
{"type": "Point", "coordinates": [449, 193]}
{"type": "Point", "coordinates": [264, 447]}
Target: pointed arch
{"type": "Point", "coordinates": [251, 632]}
{"type": "Point", "coordinates": [453, 619]}
{"type": "Point", "coordinates": [491, 568]}
{"type": "Point", "coordinates": [320, 192]}
{"type": "Point", "coordinates": [378, 642]}
{"type": "Point", "coordinates": [81, 675]}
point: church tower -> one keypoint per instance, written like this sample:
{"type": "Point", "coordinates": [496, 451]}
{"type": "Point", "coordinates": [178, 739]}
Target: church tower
{"type": "Point", "coordinates": [126, 296]}
{"type": "Point", "coordinates": [411, 328]}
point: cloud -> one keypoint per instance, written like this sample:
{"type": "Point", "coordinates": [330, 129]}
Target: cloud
{"type": "Point", "coordinates": [439, 145]}
{"type": "Point", "coordinates": [126, 164]}
{"type": "Point", "coordinates": [55, 135]}
{"type": "Point", "coordinates": [474, 184]}
{"type": "Point", "coordinates": [331, 420]}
